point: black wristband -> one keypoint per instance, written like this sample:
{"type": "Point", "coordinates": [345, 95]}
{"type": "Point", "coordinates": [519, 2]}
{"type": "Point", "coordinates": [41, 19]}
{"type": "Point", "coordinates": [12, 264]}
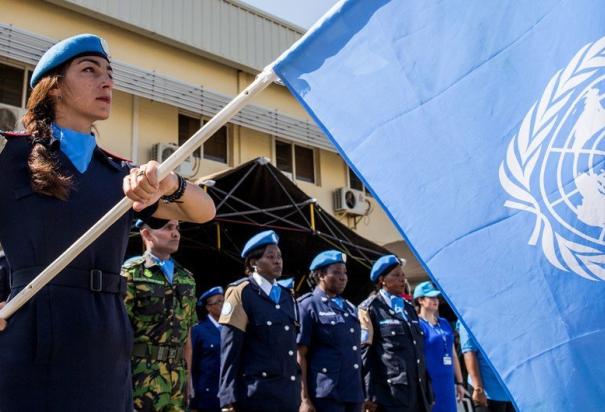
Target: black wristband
{"type": "Point", "coordinates": [460, 383]}
{"type": "Point", "coordinates": [178, 193]}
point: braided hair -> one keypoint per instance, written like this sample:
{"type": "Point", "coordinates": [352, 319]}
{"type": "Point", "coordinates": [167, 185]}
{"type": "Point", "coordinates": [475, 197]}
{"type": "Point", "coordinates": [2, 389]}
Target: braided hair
{"type": "Point", "coordinates": [46, 177]}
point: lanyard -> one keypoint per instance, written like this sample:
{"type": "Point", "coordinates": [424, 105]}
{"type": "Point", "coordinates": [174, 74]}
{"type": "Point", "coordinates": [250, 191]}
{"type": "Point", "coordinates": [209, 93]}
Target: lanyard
{"type": "Point", "coordinates": [441, 332]}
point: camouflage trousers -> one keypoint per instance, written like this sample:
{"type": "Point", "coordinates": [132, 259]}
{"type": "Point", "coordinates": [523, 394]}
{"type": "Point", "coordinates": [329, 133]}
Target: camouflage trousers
{"type": "Point", "coordinates": [158, 386]}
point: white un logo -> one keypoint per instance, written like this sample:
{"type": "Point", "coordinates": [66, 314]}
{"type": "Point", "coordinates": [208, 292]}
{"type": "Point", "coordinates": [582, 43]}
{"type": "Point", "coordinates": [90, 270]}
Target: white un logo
{"type": "Point", "coordinates": [555, 166]}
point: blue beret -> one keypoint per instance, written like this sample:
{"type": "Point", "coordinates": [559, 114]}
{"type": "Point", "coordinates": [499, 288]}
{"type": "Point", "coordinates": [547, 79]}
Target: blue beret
{"type": "Point", "coordinates": [384, 264]}
{"type": "Point", "coordinates": [425, 289]}
{"type": "Point", "coordinates": [65, 50]}
{"type": "Point", "coordinates": [268, 237]}
{"type": "Point", "coordinates": [287, 283]}
{"type": "Point", "coordinates": [217, 290]}
{"type": "Point", "coordinates": [327, 258]}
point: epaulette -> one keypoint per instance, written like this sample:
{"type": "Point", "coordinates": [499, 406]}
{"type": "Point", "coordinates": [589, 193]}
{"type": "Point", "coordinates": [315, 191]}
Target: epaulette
{"type": "Point", "coordinates": [304, 297]}
{"type": "Point", "coordinates": [366, 303]}
{"type": "Point", "coordinates": [115, 157]}
{"type": "Point", "coordinates": [132, 262]}
{"type": "Point", "coordinates": [9, 134]}
{"type": "Point", "coordinates": [238, 282]}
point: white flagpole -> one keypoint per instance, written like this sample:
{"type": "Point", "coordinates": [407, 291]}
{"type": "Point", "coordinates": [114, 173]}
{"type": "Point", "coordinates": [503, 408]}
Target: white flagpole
{"type": "Point", "coordinates": [265, 78]}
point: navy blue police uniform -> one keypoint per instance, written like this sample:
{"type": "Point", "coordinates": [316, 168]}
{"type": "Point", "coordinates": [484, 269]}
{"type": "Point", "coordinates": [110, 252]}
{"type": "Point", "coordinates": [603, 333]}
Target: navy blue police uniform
{"type": "Point", "coordinates": [68, 348]}
{"type": "Point", "coordinates": [394, 370]}
{"type": "Point", "coordinates": [259, 371]}
{"type": "Point", "coordinates": [332, 335]}
{"type": "Point", "coordinates": [206, 361]}
{"type": "Point", "coordinates": [4, 277]}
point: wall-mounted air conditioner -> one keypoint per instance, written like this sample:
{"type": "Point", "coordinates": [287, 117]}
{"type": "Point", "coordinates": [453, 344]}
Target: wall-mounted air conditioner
{"type": "Point", "coordinates": [351, 201]}
{"type": "Point", "coordinates": [162, 151]}
{"type": "Point", "coordinates": [10, 117]}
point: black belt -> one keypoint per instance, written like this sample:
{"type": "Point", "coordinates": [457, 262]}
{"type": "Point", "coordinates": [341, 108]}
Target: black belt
{"type": "Point", "coordinates": [157, 352]}
{"type": "Point", "coordinates": [94, 280]}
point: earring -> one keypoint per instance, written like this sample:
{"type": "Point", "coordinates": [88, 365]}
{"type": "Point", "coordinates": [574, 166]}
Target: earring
{"type": "Point", "coordinates": [254, 269]}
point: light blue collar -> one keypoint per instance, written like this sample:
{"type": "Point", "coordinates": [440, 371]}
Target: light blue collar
{"type": "Point", "coordinates": [78, 147]}
{"type": "Point", "coordinates": [395, 302]}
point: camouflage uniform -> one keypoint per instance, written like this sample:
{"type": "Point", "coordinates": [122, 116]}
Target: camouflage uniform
{"type": "Point", "coordinates": [161, 315]}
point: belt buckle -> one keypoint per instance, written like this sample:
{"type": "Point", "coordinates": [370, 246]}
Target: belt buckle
{"type": "Point", "coordinates": [96, 280]}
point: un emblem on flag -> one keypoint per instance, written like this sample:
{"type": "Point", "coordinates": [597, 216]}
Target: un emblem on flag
{"type": "Point", "coordinates": [555, 166]}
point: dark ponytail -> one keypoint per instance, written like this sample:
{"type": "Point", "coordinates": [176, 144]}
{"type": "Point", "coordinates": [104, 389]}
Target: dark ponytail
{"type": "Point", "coordinates": [46, 178]}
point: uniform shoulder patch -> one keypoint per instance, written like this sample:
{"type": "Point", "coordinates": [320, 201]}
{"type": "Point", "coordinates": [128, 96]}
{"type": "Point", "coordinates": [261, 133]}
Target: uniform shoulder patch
{"type": "Point", "coordinates": [237, 282]}
{"type": "Point", "coordinates": [366, 303]}
{"type": "Point", "coordinates": [132, 262]}
{"type": "Point", "coordinates": [304, 297]}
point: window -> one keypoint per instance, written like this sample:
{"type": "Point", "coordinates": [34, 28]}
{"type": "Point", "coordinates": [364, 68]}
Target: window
{"type": "Point", "coordinates": [283, 156]}
{"type": "Point", "coordinates": [215, 148]}
{"type": "Point", "coordinates": [356, 183]}
{"type": "Point", "coordinates": [298, 160]}
{"type": "Point", "coordinates": [11, 85]}
{"type": "Point", "coordinates": [187, 127]}
{"type": "Point", "coordinates": [305, 165]}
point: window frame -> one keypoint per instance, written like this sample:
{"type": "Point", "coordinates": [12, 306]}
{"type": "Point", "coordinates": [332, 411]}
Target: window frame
{"type": "Point", "coordinates": [293, 146]}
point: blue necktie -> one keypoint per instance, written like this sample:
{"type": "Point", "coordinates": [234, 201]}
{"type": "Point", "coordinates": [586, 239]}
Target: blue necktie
{"type": "Point", "coordinates": [167, 267]}
{"type": "Point", "coordinates": [78, 147]}
{"type": "Point", "coordinates": [275, 293]}
{"type": "Point", "coordinates": [338, 301]}
{"type": "Point", "coordinates": [398, 305]}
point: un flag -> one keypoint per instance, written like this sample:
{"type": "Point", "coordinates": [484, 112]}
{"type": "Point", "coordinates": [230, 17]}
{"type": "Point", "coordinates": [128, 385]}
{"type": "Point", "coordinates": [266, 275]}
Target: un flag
{"type": "Point", "coordinates": [479, 126]}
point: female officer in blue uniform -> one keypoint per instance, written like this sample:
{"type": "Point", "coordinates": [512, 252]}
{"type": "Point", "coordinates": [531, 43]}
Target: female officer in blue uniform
{"type": "Point", "coordinates": [68, 349]}
{"type": "Point", "coordinates": [259, 372]}
{"type": "Point", "coordinates": [392, 345]}
{"type": "Point", "coordinates": [439, 351]}
{"type": "Point", "coordinates": [206, 343]}
{"type": "Point", "coordinates": [329, 350]}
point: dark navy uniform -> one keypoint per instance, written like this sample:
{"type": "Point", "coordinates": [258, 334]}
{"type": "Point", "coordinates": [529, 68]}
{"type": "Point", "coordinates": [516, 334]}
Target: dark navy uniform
{"type": "Point", "coordinates": [332, 335]}
{"type": "Point", "coordinates": [4, 277]}
{"type": "Point", "coordinates": [67, 349]}
{"type": "Point", "coordinates": [206, 365]}
{"type": "Point", "coordinates": [393, 362]}
{"type": "Point", "coordinates": [259, 371]}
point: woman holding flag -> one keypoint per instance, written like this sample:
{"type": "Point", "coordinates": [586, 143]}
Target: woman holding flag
{"type": "Point", "coordinates": [69, 347]}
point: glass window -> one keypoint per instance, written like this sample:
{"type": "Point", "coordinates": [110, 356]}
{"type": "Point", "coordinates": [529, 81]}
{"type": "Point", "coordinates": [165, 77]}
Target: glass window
{"type": "Point", "coordinates": [305, 164]}
{"type": "Point", "coordinates": [187, 127]}
{"type": "Point", "coordinates": [354, 181]}
{"type": "Point", "coordinates": [11, 85]}
{"type": "Point", "coordinates": [215, 148]}
{"type": "Point", "coordinates": [283, 156]}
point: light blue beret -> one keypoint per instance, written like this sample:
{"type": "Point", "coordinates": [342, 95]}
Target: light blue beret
{"type": "Point", "coordinates": [382, 265]}
{"type": "Point", "coordinates": [268, 237]}
{"type": "Point", "coordinates": [327, 258]}
{"type": "Point", "coordinates": [65, 50]}
{"type": "Point", "coordinates": [287, 283]}
{"type": "Point", "coordinates": [217, 290]}
{"type": "Point", "coordinates": [425, 289]}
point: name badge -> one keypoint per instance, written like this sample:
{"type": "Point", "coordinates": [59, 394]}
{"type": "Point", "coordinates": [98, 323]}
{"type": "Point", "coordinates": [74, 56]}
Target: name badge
{"type": "Point", "coordinates": [447, 360]}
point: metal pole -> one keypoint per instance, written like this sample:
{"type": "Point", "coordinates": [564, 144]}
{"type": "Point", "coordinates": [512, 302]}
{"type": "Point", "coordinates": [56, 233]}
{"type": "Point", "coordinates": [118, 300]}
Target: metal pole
{"type": "Point", "coordinates": [265, 78]}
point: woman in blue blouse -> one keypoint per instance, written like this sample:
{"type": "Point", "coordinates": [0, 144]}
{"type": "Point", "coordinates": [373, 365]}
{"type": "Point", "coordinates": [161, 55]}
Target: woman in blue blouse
{"type": "Point", "coordinates": [441, 362]}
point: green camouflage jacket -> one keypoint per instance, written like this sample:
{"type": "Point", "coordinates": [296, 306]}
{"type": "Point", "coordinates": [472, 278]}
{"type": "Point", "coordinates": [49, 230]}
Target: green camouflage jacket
{"type": "Point", "coordinates": [160, 313]}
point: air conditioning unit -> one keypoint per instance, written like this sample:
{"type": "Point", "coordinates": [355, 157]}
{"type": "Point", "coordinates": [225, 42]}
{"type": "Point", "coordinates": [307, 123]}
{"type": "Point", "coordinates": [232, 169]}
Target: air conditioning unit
{"type": "Point", "coordinates": [10, 117]}
{"type": "Point", "coordinates": [351, 201]}
{"type": "Point", "coordinates": [162, 151]}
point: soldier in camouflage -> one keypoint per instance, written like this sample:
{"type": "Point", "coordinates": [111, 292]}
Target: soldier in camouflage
{"type": "Point", "coordinates": [160, 301]}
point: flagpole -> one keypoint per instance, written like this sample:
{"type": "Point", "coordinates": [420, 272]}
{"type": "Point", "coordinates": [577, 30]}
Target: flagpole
{"type": "Point", "coordinates": [265, 78]}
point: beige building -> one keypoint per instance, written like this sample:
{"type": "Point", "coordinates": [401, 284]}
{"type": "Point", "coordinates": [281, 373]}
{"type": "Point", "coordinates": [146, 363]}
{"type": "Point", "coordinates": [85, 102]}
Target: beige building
{"type": "Point", "coordinates": [176, 63]}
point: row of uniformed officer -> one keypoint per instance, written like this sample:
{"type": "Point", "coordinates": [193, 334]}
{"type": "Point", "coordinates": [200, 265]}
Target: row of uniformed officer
{"type": "Point", "coordinates": [347, 357]}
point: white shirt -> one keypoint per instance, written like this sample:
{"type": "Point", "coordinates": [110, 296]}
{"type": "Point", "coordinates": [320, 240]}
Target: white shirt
{"type": "Point", "coordinates": [264, 284]}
